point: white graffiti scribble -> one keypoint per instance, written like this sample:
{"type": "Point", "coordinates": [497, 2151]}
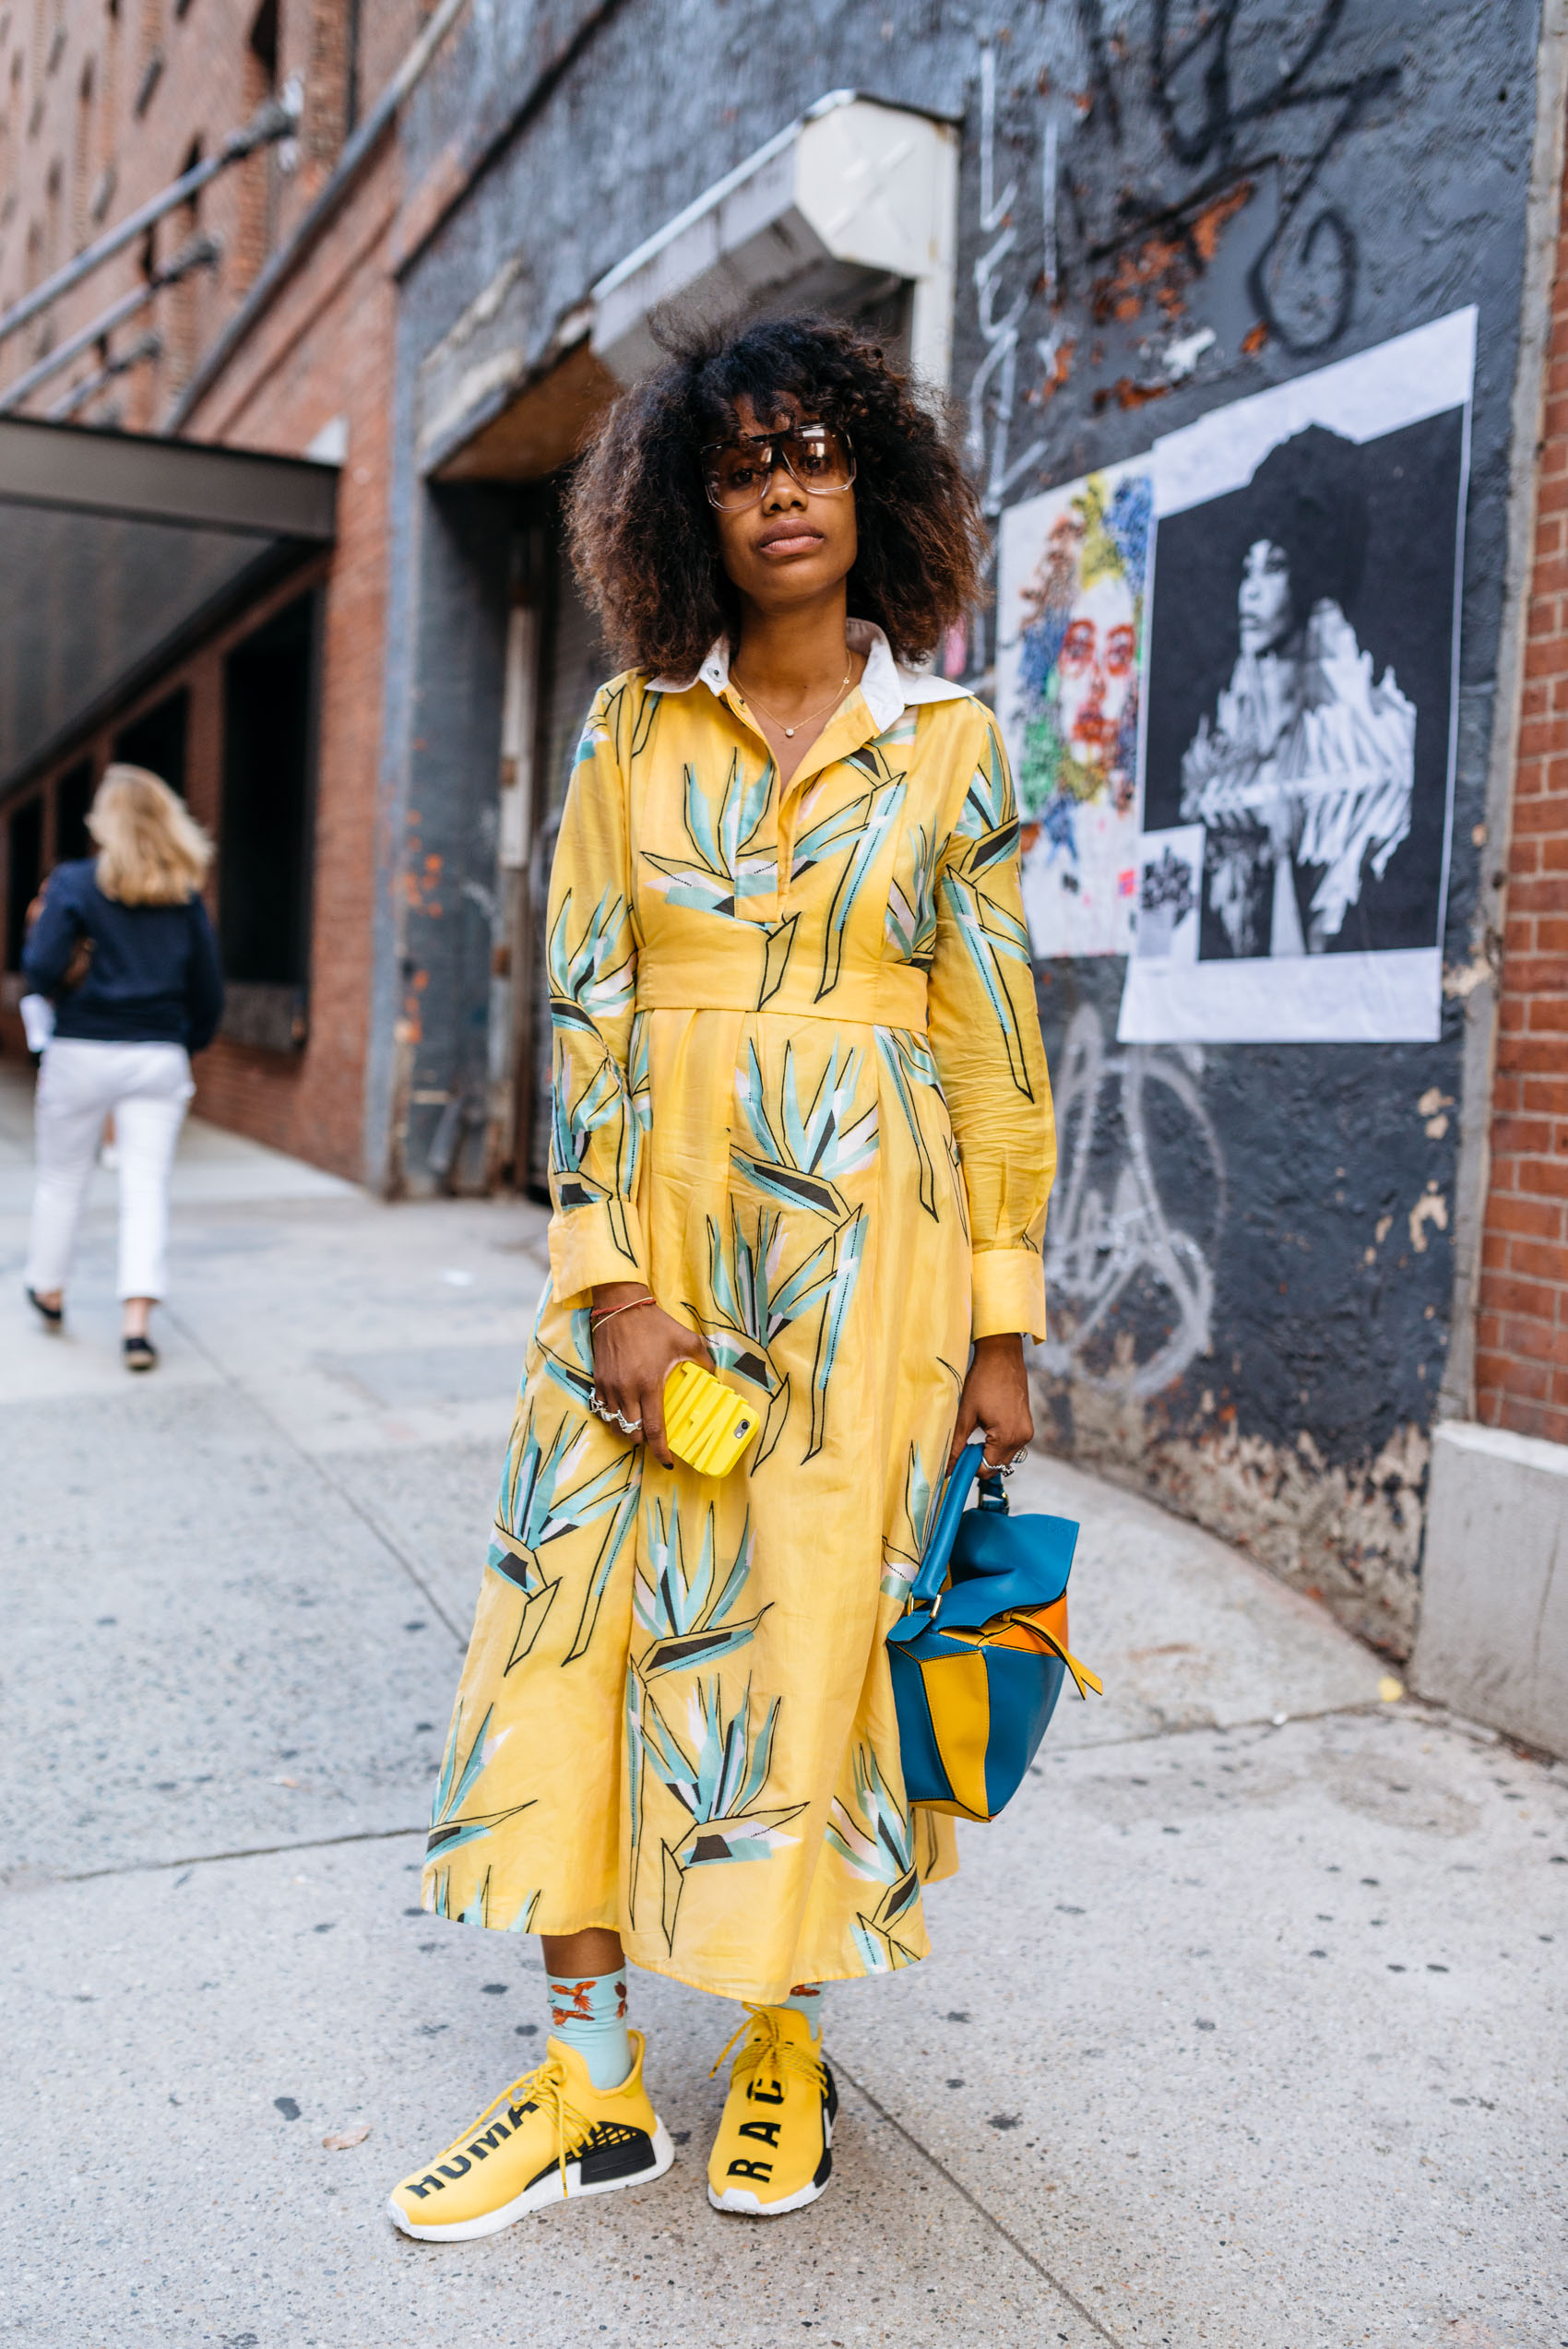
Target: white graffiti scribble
{"type": "Point", "coordinates": [993, 387]}
{"type": "Point", "coordinates": [1098, 1249]}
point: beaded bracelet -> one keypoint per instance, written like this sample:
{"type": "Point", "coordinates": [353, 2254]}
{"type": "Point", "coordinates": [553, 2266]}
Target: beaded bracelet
{"type": "Point", "coordinates": [596, 1320]}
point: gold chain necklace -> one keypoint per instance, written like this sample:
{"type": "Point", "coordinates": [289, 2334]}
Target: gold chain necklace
{"type": "Point", "coordinates": [789, 731]}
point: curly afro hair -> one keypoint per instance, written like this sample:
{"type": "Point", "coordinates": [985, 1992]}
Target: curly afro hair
{"type": "Point", "coordinates": [644, 537]}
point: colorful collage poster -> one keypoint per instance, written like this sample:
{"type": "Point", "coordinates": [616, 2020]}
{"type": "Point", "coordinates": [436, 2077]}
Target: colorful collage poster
{"type": "Point", "coordinates": [1073, 594]}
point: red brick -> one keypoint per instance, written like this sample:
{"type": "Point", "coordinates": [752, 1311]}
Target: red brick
{"type": "Point", "coordinates": [1529, 1218]}
{"type": "Point", "coordinates": [1532, 1342]}
{"type": "Point", "coordinates": [1543, 1177]}
{"type": "Point", "coordinates": [1540, 735]}
{"type": "Point", "coordinates": [1536, 1300]}
{"type": "Point", "coordinates": [1532, 1381]}
{"type": "Point", "coordinates": [1511, 1134]}
{"type": "Point", "coordinates": [1538, 1262]}
{"type": "Point", "coordinates": [1545, 1095]}
{"type": "Point", "coordinates": [1542, 815]}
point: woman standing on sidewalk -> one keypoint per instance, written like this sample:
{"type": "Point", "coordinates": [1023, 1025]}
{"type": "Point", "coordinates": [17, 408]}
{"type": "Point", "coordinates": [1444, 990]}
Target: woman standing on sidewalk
{"type": "Point", "coordinates": [802, 1133]}
{"type": "Point", "coordinates": [152, 995]}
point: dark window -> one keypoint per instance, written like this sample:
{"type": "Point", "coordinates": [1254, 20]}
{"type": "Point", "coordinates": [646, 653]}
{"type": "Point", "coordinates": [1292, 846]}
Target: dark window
{"type": "Point", "coordinates": [73, 797]}
{"type": "Point", "coordinates": [24, 871]}
{"type": "Point", "coordinates": [264, 840]}
{"type": "Point", "coordinates": [264, 40]}
{"type": "Point", "coordinates": [157, 738]}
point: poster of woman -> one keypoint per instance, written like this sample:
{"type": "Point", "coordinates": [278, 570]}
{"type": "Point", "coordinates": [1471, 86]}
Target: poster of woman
{"type": "Point", "coordinates": [1072, 579]}
{"type": "Point", "coordinates": [1299, 744]}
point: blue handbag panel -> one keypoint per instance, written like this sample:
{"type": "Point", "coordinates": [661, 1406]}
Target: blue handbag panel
{"type": "Point", "coordinates": [924, 1777]}
{"type": "Point", "coordinates": [1024, 1689]}
{"type": "Point", "coordinates": [990, 1545]}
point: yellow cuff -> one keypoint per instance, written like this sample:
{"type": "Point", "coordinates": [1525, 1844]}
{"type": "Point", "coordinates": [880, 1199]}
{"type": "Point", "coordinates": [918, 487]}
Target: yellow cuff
{"type": "Point", "coordinates": [1009, 1285]}
{"type": "Point", "coordinates": [587, 1245]}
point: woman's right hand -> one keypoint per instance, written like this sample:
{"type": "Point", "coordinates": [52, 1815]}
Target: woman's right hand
{"type": "Point", "coordinates": [633, 1356]}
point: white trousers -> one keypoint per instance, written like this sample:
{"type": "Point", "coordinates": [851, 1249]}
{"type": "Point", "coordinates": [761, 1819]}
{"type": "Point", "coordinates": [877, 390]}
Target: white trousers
{"type": "Point", "coordinates": [148, 1087]}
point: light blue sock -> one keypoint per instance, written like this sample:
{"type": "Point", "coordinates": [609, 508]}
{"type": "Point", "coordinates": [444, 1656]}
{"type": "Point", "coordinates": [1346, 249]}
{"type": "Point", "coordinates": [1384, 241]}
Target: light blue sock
{"type": "Point", "coordinates": [591, 2015]}
{"type": "Point", "coordinates": [806, 1999]}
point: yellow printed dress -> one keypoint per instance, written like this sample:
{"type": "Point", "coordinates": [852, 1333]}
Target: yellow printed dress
{"type": "Point", "coordinates": [799, 1090]}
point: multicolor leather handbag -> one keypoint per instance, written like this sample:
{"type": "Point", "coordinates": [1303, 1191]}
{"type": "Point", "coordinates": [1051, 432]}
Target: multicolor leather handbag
{"type": "Point", "coordinates": [980, 1654]}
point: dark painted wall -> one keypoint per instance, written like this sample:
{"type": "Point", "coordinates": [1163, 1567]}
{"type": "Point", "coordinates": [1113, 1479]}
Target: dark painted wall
{"type": "Point", "coordinates": [1262, 1342]}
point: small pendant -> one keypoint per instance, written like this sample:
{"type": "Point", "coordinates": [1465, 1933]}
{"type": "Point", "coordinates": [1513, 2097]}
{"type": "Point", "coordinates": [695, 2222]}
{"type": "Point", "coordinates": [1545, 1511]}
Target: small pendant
{"type": "Point", "coordinates": [789, 733]}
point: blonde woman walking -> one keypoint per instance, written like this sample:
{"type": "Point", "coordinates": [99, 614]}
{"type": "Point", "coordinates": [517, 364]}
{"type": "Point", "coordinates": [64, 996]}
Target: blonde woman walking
{"type": "Point", "coordinates": [152, 995]}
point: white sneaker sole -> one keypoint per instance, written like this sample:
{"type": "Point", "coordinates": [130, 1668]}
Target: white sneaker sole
{"type": "Point", "coordinates": [543, 2192]}
{"type": "Point", "coordinates": [735, 2198]}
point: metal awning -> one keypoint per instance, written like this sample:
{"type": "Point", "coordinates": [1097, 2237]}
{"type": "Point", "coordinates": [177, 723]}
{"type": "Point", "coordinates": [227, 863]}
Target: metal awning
{"type": "Point", "coordinates": [852, 201]}
{"type": "Point", "coordinates": [118, 552]}
{"type": "Point", "coordinates": [853, 191]}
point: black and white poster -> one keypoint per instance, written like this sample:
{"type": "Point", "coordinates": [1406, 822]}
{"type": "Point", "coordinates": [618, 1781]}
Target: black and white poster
{"type": "Point", "coordinates": [1301, 704]}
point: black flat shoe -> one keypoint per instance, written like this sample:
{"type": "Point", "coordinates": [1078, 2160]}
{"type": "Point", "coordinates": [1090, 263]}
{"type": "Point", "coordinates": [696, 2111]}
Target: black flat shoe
{"type": "Point", "coordinates": [140, 1354]}
{"type": "Point", "coordinates": [53, 1316]}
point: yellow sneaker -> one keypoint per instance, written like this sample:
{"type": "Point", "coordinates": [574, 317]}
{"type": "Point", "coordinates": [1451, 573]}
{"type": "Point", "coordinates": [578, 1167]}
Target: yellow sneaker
{"type": "Point", "coordinates": [551, 2134]}
{"type": "Point", "coordinates": [773, 2151]}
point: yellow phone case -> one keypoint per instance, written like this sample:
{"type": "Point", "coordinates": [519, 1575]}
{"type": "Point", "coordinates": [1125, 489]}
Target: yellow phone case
{"type": "Point", "coordinates": [706, 1425]}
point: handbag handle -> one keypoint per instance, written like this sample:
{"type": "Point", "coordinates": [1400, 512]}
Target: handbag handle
{"type": "Point", "coordinates": [926, 1588]}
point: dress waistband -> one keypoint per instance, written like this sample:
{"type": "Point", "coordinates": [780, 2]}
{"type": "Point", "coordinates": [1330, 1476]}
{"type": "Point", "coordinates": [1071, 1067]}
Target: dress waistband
{"type": "Point", "coordinates": [893, 996]}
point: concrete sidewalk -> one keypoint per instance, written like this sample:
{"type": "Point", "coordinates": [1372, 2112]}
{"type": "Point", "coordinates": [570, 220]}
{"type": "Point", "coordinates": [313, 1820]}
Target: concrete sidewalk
{"type": "Point", "coordinates": [1245, 2026]}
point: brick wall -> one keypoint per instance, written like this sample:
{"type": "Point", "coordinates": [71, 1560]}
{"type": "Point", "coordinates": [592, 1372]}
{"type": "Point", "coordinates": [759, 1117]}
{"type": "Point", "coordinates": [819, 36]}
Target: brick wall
{"type": "Point", "coordinates": [1522, 1339]}
{"type": "Point", "coordinates": [322, 350]}
{"type": "Point", "coordinates": [101, 109]}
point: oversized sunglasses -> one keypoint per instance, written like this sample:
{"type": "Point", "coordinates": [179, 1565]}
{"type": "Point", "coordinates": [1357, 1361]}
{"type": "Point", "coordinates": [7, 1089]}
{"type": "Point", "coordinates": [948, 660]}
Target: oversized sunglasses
{"type": "Point", "coordinates": [736, 473]}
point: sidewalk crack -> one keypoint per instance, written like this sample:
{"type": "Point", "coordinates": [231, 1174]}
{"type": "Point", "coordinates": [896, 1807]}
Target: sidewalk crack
{"type": "Point", "coordinates": [351, 1500]}
{"type": "Point", "coordinates": [1063, 2290]}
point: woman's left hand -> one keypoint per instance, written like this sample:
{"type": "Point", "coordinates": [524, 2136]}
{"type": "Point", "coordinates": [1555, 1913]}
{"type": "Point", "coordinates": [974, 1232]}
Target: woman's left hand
{"type": "Point", "coordinates": [995, 1397]}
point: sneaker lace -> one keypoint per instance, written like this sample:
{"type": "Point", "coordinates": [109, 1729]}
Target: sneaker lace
{"type": "Point", "coordinates": [545, 2087]}
{"type": "Point", "coordinates": [767, 2049]}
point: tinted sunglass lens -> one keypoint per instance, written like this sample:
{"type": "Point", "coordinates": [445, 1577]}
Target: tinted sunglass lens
{"type": "Point", "coordinates": [737, 474]}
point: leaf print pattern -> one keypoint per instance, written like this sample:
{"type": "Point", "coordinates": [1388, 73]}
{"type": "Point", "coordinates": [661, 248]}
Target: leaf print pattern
{"type": "Point", "coordinates": [797, 1154]}
{"type": "Point", "coordinates": [885, 806]}
{"type": "Point", "coordinates": [995, 936]}
{"type": "Point", "coordinates": [901, 1558]}
{"type": "Point", "coordinates": [539, 1505]}
{"type": "Point", "coordinates": [717, 1782]}
{"type": "Point", "coordinates": [449, 1829]}
{"type": "Point", "coordinates": [728, 866]}
{"type": "Point", "coordinates": [906, 1059]}
{"type": "Point", "coordinates": [911, 920]}
{"type": "Point", "coordinates": [687, 1613]}
{"type": "Point", "coordinates": [876, 1843]}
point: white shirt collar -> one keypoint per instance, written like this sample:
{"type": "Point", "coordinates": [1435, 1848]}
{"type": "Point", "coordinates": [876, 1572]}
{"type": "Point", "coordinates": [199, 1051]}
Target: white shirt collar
{"type": "Point", "coordinates": [888, 687]}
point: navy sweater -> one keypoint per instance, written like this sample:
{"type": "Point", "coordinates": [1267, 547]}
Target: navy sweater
{"type": "Point", "coordinates": [154, 978]}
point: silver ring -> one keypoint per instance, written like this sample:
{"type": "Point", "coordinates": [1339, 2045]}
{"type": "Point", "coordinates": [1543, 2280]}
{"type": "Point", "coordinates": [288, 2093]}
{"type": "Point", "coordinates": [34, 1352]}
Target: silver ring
{"type": "Point", "coordinates": [1000, 1467]}
{"type": "Point", "coordinates": [627, 1427]}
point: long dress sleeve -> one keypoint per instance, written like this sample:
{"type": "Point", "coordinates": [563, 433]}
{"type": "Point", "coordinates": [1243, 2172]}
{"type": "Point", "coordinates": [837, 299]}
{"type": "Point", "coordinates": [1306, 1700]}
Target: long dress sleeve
{"type": "Point", "coordinates": [596, 1126]}
{"type": "Point", "coordinates": [986, 1042]}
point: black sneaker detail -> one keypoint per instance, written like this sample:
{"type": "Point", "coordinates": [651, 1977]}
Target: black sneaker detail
{"type": "Point", "coordinates": [613, 2151]}
{"type": "Point", "coordinates": [824, 2170]}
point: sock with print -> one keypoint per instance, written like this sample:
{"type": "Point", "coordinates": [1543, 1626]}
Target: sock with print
{"type": "Point", "coordinates": [806, 1999]}
{"type": "Point", "coordinates": [591, 2015]}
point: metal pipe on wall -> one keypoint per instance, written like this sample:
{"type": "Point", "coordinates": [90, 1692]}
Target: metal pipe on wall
{"type": "Point", "coordinates": [280, 118]}
{"type": "Point", "coordinates": [198, 253]}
